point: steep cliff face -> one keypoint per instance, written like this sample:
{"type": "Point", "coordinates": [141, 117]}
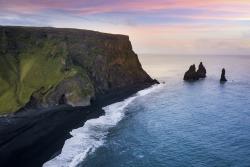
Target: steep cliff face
{"type": "Point", "coordinates": [42, 67]}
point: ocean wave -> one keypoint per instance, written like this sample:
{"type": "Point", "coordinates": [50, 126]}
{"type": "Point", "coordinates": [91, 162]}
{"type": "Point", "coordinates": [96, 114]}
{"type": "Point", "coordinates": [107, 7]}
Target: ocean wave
{"type": "Point", "coordinates": [85, 140]}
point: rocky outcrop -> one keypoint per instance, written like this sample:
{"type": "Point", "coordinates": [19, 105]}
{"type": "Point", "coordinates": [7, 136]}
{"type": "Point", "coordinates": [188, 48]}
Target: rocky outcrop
{"type": "Point", "coordinates": [223, 77]}
{"type": "Point", "coordinates": [201, 72]}
{"type": "Point", "coordinates": [193, 75]}
{"type": "Point", "coordinates": [43, 67]}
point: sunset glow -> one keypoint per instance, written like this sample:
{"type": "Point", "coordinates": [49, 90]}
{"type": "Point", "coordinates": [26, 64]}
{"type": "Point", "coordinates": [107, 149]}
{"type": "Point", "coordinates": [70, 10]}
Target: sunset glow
{"type": "Point", "coordinates": [154, 26]}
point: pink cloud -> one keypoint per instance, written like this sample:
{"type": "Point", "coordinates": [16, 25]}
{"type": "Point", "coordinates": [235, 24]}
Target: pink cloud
{"type": "Point", "coordinates": [88, 7]}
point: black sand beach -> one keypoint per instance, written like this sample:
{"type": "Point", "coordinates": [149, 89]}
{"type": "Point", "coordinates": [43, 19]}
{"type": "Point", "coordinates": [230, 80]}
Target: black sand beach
{"type": "Point", "coordinates": [33, 137]}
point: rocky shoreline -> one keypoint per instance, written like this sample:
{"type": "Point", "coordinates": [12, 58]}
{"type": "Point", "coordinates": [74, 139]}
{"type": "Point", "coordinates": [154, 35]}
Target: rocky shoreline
{"type": "Point", "coordinates": [32, 138]}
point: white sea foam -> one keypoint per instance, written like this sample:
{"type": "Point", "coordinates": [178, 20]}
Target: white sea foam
{"type": "Point", "coordinates": [85, 140]}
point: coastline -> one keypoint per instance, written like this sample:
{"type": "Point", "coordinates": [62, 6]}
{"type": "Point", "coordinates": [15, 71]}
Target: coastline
{"type": "Point", "coordinates": [32, 139]}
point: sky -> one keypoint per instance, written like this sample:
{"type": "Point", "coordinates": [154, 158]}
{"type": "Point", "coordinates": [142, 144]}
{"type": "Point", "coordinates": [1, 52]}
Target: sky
{"type": "Point", "coordinates": [154, 26]}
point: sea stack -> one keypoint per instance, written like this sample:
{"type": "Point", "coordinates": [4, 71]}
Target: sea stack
{"type": "Point", "coordinates": [193, 75]}
{"type": "Point", "coordinates": [223, 77]}
{"type": "Point", "coordinates": [201, 72]}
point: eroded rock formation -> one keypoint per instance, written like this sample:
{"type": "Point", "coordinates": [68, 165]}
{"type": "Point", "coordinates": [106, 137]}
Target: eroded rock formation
{"type": "Point", "coordinates": [201, 72]}
{"type": "Point", "coordinates": [193, 75]}
{"type": "Point", "coordinates": [223, 77]}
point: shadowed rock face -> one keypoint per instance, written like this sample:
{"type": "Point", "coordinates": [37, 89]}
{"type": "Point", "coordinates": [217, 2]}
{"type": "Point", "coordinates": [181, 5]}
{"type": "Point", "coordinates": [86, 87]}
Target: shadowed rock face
{"type": "Point", "coordinates": [201, 72]}
{"type": "Point", "coordinates": [42, 67]}
{"type": "Point", "coordinates": [223, 77]}
{"type": "Point", "coordinates": [193, 75]}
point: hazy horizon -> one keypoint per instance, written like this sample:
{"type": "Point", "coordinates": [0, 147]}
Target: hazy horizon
{"type": "Point", "coordinates": [160, 66]}
{"type": "Point", "coordinates": [154, 26]}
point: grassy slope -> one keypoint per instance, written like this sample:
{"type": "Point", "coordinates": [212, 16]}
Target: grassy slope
{"type": "Point", "coordinates": [34, 68]}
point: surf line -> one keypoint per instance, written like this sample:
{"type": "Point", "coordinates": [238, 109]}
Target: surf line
{"type": "Point", "coordinates": [85, 140]}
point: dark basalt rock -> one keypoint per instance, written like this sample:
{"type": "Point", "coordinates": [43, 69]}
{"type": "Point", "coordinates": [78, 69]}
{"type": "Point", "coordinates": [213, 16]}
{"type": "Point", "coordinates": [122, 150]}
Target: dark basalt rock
{"type": "Point", "coordinates": [193, 75]}
{"type": "Point", "coordinates": [155, 81]}
{"type": "Point", "coordinates": [201, 72]}
{"type": "Point", "coordinates": [223, 77]}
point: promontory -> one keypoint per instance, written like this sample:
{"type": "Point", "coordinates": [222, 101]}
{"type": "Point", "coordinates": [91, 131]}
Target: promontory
{"type": "Point", "coordinates": [43, 67]}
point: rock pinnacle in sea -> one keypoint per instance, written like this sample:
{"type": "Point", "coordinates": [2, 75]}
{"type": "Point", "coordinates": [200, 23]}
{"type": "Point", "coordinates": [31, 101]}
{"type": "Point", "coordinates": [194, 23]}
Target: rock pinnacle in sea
{"type": "Point", "coordinates": [223, 78]}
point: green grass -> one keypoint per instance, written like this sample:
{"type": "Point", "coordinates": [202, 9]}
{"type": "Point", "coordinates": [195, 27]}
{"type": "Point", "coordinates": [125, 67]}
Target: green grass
{"type": "Point", "coordinates": [30, 70]}
{"type": "Point", "coordinates": [8, 79]}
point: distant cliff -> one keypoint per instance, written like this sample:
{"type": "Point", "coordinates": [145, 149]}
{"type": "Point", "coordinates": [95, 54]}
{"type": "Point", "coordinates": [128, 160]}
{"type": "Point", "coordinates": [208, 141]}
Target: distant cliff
{"type": "Point", "coordinates": [43, 67]}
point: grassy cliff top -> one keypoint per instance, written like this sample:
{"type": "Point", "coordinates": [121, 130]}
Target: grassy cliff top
{"type": "Point", "coordinates": [64, 30]}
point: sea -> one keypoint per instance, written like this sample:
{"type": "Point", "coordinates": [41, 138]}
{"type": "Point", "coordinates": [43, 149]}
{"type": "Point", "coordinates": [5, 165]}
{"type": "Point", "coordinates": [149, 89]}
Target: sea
{"type": "Point", "coordinates": [174, 124]}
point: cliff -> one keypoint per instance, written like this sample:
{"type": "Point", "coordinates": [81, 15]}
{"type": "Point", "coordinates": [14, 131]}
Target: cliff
{"type": "Point", "coordinates": [43, 67]}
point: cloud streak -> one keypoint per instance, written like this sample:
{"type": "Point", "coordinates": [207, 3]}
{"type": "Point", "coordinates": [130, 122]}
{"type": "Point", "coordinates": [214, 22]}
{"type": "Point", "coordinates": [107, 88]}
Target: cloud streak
{"type": "Point", "coordinates": [97, 7]}
{"type": "Point", "coordinates": [153, 25]}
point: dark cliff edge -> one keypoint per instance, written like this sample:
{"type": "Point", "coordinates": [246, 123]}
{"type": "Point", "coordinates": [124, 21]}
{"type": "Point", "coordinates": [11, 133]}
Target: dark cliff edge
{"type": "Point", "coordinates": [57, 79]}
{"type": "Point", "coordinates": [44, 67]}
